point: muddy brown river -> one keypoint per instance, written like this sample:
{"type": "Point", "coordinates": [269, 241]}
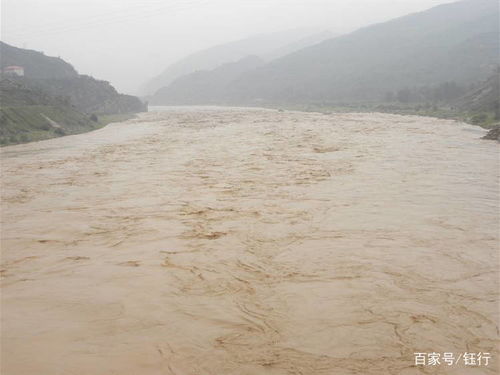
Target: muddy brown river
{"type": "Point", "coordinates": [205, 241]}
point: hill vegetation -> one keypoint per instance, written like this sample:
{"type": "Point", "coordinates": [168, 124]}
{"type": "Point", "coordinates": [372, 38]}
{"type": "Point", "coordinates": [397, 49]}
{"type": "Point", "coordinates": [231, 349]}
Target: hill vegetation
{"type": "Point", "coordinates": [483, 105]}
{"type": "Point", "coordinates": [89, 95]}
{"type": "Point", "coordinates": [52, 99]}
{"type": "Point", "coordinates": [29, 114]}
{"type": "Point", "coordinates": [35, 64]}
{"type": "Point", "coordinates": [485, 98]}
{"type": "Point", "coordinates": [430, 58]}
{"type": "Point", "coordinates": [455, 42]}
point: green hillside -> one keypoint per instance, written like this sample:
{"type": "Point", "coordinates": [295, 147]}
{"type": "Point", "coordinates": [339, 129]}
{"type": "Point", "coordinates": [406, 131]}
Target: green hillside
{"type": "Point", "coordinates": [455, 42]}
{"type": "Point", "coordinates": [412, 58]}
{"type": "Point", "coordinates": [483, 103]}
{"type": "Point", "coordinates": [52, 99]}
{"type": "Point", "coordinates": [89, 94]}
{"type": "Point", "coordinates": [30, 114]}
{"type": "Point", "coordinates": [485, 98]}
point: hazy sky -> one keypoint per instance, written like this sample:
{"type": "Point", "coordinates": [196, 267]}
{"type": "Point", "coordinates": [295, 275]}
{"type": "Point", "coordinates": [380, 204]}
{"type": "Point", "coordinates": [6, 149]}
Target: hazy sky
{"type": "Point", "coordinates": [128, 41]}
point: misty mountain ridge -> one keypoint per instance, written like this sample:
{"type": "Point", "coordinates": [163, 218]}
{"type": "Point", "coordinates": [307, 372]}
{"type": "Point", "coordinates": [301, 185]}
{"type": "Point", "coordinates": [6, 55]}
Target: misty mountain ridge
{"type": "Point", "coordinates": [204, 85]}
{"type": "Point", "coordinates": [266, 46]}
{"type": "Point", "coordinates": [456, 42]}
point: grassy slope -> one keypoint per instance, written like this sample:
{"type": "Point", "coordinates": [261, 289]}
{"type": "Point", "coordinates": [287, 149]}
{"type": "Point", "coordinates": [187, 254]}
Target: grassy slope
{"type": "Point", "coordinates": [53, 99]}
{"type": "Point", "coordinates": [37, 122]}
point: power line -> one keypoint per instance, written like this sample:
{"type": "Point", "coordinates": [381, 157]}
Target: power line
{"type": "Point", "coordinates": [127, 15]}
{"type": "Point", "coordinates": [116, 18]}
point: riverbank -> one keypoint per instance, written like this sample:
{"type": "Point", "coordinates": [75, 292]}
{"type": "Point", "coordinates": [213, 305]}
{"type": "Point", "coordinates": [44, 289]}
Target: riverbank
{"type": "Point", "coordinates": [23, 124]}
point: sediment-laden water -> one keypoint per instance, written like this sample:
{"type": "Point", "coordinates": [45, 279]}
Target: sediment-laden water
{"type": "Point", "coordinates": [244, 242]}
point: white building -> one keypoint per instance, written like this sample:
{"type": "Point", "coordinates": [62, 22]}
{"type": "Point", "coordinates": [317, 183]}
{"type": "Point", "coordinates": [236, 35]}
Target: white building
{"type": "Point", "coordinates": [13, 70]}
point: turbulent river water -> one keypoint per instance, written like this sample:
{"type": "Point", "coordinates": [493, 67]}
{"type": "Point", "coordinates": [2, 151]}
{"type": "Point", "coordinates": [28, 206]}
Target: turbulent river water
{"type": "Point", "coordinates": [205, 241]}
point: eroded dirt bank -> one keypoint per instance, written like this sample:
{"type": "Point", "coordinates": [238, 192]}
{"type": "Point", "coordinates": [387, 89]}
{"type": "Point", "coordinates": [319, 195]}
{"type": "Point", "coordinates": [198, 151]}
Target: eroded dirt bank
{"type": "Point", "coordinates": [249, 242]}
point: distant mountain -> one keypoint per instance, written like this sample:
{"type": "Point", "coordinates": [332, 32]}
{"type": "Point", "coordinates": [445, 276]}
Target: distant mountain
{"type": "Point", "coordinates": [52, 99]}
{"type": "Point", "coordinates": [297, 45]}
{"type": "Point", "coordinates": [265, 46]}
{"type": "Point", "coordinates": [456, 44]}
{"type": "Point", "coordinates": [201, 86]}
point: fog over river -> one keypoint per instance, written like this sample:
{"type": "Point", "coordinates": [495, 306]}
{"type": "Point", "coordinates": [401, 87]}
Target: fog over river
{"type": "Point", "coordinates": [209, 241]}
